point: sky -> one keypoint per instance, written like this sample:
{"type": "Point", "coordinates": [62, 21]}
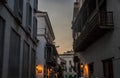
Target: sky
{"type": "Point", "coordinates": [60, 13]}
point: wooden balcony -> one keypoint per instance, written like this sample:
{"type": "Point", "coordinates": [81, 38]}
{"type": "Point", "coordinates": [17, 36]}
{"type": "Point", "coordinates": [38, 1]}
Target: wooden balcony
{"type": "Point", "coordinates": [51, 59]}
{"type": "Point", "coordinates": [95, 27]}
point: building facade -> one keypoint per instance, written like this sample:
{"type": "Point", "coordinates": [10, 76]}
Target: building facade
{"type": "Point", "coordinates": [68, 64]}
{"type": "Point", "coordinates": [46, 49]}
{"type": "Point", "coordinates": [17, 38]}
{"type": "Point", "coordinates": [96, 37]}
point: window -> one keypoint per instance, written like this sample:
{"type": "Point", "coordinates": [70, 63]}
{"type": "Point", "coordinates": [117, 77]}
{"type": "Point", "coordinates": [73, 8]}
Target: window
{"type": "Point", "coordinates": [20, 6]}
{"type": "Point", "coordinates": [45, 53]}
{"type": "Point", "coordinates": [14, 55]}
{"type": "Point", "coordinates": [2, 25]}
{"type": "Point", "coordinates": [33, 64]}
{"type": "Point", "coordinates": [100, 1]}
{"type": "Point", "coordinates": [15, 7]}
{"type": "Point", "coordinates": [108, 68]}
{"type": "Point", "coordinates": [70, 62]}
{"type": "Point", "coordinates": [91, 6]}
{"type": "Point", "coordinates": [75, 76]}
{"type": "Point", "coordinates": [91, 70]}
{"type": "Point", "coordinates": [35, 4]}
{"type": "Point", "coordinates": [18, 10]}
{"type": "Point", "coordinates": [34, 27]}
{"type": "Point", "coordinates": [65, 67]}
{"type": "Point", "coordinates": [29, 14]}
{"type": "Point", "coordinates": [25, 61]}
{"type": "Point", "coordinates": [70, 76]}
{"type": "Point", "coordinates": [70, 69]}
{"type": "Point", "coordinates": [65, 76]}
{"type": "Point", "coordinates": [103, 6]}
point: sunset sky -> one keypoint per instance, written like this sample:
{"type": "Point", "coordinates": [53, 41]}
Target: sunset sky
{"type": "Point", "coordinates": [60, 13]}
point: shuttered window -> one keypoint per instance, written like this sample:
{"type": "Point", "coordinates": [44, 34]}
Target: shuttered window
{"type": "Point", "coordinates": [35, 4]}
{"type": "Point", "coordinates": [14, 55]}
{"type": "Point", "coordinates": [108, 68]}
{"type": "Point", "coordinates": [2, 26]}
{"type": "Point", "coordinates": [34, 27]}
{"type": "Point", "coordinates": [21, 6]}
{"type": "Point", "coordinates": [25, 63]}
{"type": "Point", "coordinates": [18, 10]}
{"type": "Point", "coordinates": [28, 14]}
{"type": "Point", "coordinates": [33, 64]}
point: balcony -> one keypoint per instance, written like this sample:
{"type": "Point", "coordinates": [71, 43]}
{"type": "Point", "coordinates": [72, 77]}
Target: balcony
{"type": "Point", "coordinates": [95, 27]}
{"type": "Point", "coordinates": [51, 59]}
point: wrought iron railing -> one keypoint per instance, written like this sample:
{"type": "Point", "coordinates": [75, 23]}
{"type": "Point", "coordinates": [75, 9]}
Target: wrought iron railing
{"type": "Point", "coordinates": [98, 20]}
{"type": "Point", "coordinates": [106, 18]}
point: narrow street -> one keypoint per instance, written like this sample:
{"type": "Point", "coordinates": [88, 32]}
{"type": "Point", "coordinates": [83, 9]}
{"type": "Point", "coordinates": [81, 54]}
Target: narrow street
{"type": "Point", "coordinates": [59, 39]}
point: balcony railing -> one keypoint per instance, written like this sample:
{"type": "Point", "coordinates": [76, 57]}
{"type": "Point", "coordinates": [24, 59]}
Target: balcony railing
{"type": "Point", "coordinates": [106, 19]}
{"type": "Point", "coordinates": [98, 24]}
{"type": "Point", "coordinates": [51, 61]}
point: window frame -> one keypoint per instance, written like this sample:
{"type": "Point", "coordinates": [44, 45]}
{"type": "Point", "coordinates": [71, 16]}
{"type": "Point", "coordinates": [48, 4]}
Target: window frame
{"type": "Point", "coordinates": [33, 65]}
{"type": "Point", "coordinates": [109, 69]}
{"type": "Point", "coordinates": [25, 61]}
{"type": "Point", "coordinates": [2, 46]}
{"type": "Point", "coordinates": [11, 60]}
{"type": "Point", "coordinates": [28, 15]}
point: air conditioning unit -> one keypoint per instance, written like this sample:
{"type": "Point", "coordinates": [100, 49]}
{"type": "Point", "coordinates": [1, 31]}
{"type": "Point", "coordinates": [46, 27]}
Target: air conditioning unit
{"type": "Point", "coordinates": [28, 30]}
{"type": "Point", "coordinates": [3, 1]}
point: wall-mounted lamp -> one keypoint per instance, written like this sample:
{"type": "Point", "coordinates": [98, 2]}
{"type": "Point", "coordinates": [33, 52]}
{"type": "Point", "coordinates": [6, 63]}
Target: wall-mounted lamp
{"type": "Point", "coordinates": [39, 69]}
{"type": "Point", "coordinates": [81, 65]}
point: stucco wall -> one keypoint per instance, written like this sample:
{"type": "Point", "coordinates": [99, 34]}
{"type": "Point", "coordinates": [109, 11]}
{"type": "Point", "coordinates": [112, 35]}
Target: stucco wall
{"type": "Point", "coordinates": [11, 24]}
{"type": "Point", "coordinates": [107, 46]}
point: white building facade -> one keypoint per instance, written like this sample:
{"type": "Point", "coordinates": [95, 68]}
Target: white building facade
{"type": "Point", "coordinates": [69, 64]}
{"type": "Point", "coordinates": [18, 31]}
{"type": "Point", "coordinates": [45, 36]}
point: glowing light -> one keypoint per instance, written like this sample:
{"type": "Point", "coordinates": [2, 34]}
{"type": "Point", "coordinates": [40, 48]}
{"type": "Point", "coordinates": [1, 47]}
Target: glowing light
{"type": "Point", "coordinates": [81, 66]}
{"type": "Point", "coordinates": [86, 70]}
{"type": "Point", "coordinates": [56, 75]}
{"type": "Point", "coordinates": [39, 69]}
{"type": "Point", "coordinates": [49, 71]}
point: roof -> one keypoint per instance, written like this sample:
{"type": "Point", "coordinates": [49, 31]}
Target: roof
{"type": "Point", "coordinates": [46, 16]}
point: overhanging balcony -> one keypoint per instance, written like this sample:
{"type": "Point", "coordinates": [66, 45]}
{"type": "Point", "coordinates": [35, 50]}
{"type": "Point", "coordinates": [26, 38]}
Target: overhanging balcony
{"type": "Point", "coordinates": [52, 54]}
{"type": "Point", "coordinates": [96, 26]}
